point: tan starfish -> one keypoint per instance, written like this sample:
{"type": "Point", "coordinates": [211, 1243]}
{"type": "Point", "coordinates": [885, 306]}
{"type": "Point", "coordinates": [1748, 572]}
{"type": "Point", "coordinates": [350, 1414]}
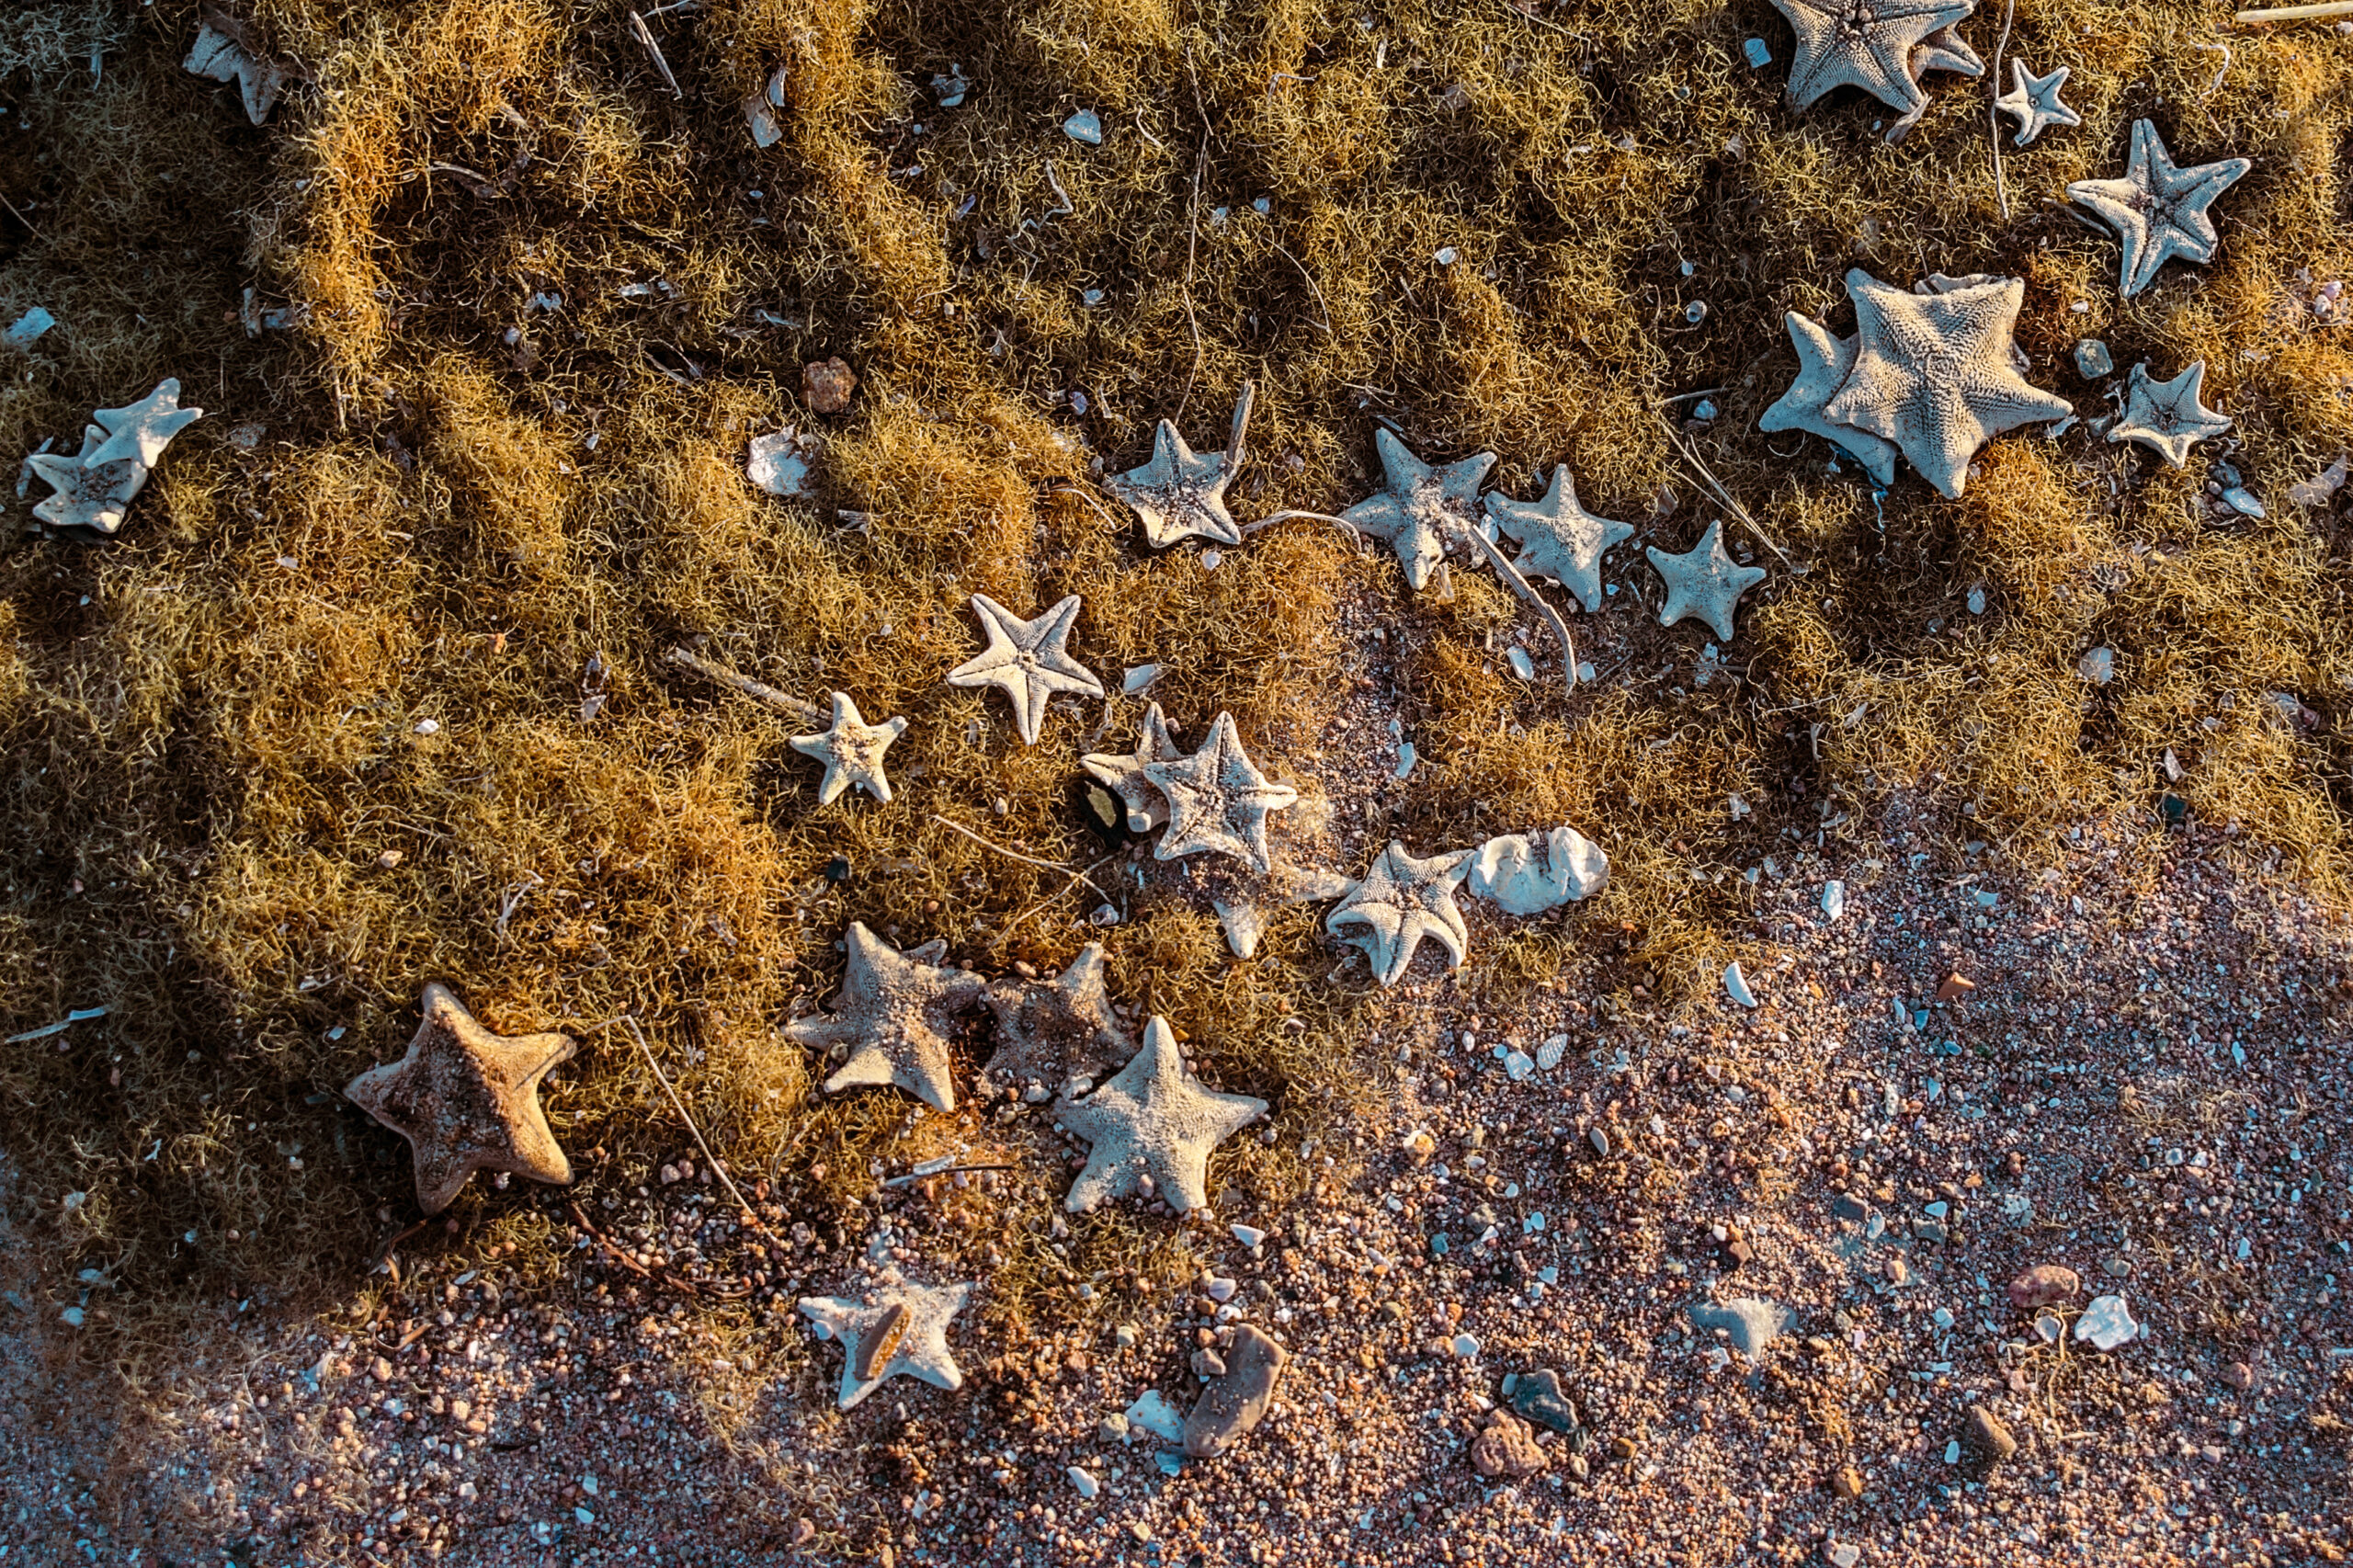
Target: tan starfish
{"type": "Point", "coordinates": [893, 1018]}
{"type": "Point", "coordinates": [1030, 659]}
{"type": "Point", "coordinates": [897, 1328]}
{"type": "Point", "coordinates": [1871, 44]}
{"type": "Point", "coordinates": [2158, 208]}
{"type": "Point", "coordinates": [1400, 900]}
{"type": "Point", "coordinates": [1153, 1120]}
{"type": "Point", "coordinates": [1050, 1031]}
{"type": "Point", "coordinates": [852, 752]}
{"type": "Point", "coordinates": [1217, 800]}
{"type": "Point", "coordinates": [1180, 493]}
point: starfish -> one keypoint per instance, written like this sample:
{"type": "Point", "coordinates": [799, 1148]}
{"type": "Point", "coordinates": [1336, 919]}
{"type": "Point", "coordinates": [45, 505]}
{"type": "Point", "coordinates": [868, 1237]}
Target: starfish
{"type": "Point", "coordinates": [1242, 910]}
{"type": "Point", "coordinates": [1866, 44]}
{"type": "Point", "coordinates": [1399, 902]}
{"type": "Point", "coordinates": [1147, 809]}
{"type": "Point", "coordinates": [138, 432]}
{"type": "Point", "coordinates": [224, 53]}
{"type": "Point", "coordinates": [94, 498]}
{"type": "Point", "coordinates": [1704, 582]}
{"type": "Point", "coordinates": [2158, 209]}
{"type": "Point", "coordinates": [893, 1016]}
{"type": "Point", "coordinates": [1419, 506]}
{"type": "Point", "coordinates": [852, 752]}
{"type": "Point", "coordinates": [2033, 101]}
{"type": "Point", "coordinates": [1217, 800]}
{"type": "Point", "coordinates": [1028, 659]}
{"type": "Point", "coordinates": [467, 1100]}
{"type": "Point", "coordinates": [1559, 538]}
{"type": "Point", "coordinates": [897, 1327]}
{"type": "Point", "coordinates": [1153, 1118]}
{"type": "Point", "coordinates": [2167, 417]}
{"type": "Point", "coordinates": [1825, 360]}
{"type": "Point", "coordinates": [1053, 1031]}
{"type": "Point", "coordinates": [1937, 373]}
{"type": "Point", "coordinates": [1180, 494]}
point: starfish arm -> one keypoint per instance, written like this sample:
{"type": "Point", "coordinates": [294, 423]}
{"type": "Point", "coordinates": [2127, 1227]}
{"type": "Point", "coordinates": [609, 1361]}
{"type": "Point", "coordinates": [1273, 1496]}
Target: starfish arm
{"type": "Point", "coordinates": [1459, 482]}
{"type": "Point", "coordinates": [1400, 469]}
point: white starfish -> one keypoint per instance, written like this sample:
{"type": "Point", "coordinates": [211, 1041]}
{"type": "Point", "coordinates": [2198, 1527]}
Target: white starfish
{"type": "Point", "coordinates": [1181, 493]}
{"type": "Point", "coordinates": [1420, 505]}
{"type": "Point", "coordinates": [1559, 538]}
{"type": "Point", "coordinates": [2167, 417]}
{"type": "Point", "coordinates": [2033, 101]}
{"type": "Point", "coordinates": [88, 497]}
{"type": "Point", "coordinates": [1217, 800]}
{"type": "Point", "coordinates": [1153, 1119]}
{"type": "Point", "coordinates": [1030, 659]}
{"type": "Point", "coordinates": [897, 1327]}
{"type": "Point", "coordinates": [1869, 44]}
{"type": "Point", "coordinates": [138, 432]}
{"type": "Point", "coordinates": [852, 752]}
{"type": "Point", "coordinates": [1825, 358]}
{"type": "Point", "coordinates": [1124, 775]}
{"type": "Point", "coordinates": [1704, 582]}
{"type": "Point", "coordinates": [895, 1012]}
{"type": "Point", "coordinates": [1400, 900]}
{"type": "Point", "coordinates": [2158, 208]}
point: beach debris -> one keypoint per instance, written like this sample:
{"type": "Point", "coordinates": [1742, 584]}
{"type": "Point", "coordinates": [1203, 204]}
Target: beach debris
{"type": "Point", "coordinates": [897, 1328]}
{"type": "Point", "coordinates": [760, 110]}
{"type": "Point", "coordinates": [1242, 908]}
{"type": "Point", "coordinates": [2158, 208]}
{"type": "Point", "coordinates": [1180, 494]}
{"type": "Point", "coordinates": [2098, 666]}
{"type": "Point", "coordinates": [1085, 127]}
{"type": "Point", "coordinates": [1751, 1325]}
{"type": "Point", "coordinates": [226, 50]}
{"type": "Point", "coordinates": [1230, 1406]}
{"type": "Point", "coordinates": [852, 752]}
{"type": "Point", "coordinates": [1559, 538]}
{"type": "Point", "coordinates": [1527, 873]}
{"type": "Point", "coordinates": [27, 329]}
{"type": "Point", "coordinates": [2106, 1323]}
{"type": "Point", "coordinates": [1834, 899]}
{"type": "Point", "coordinates": [2318, 490]}
{"type": "Point", "coordinates": [1703, 582]}
{"type": "Point", "coordinates": [1400, 900]}
{"type": "Point", "coordinates": [1538, 1396]}
{"type": "Point", "coordinates": [2033, 102]}
{"type": "Point", "coordinates": [1150, 1128]}
{"type": "Point", "coordinates": [467, 1100]}
{"type": "Point", "coordinates": [1139, 679]}
{"type": "Point", "coordinates": [96, 498]}
{"type": "Point", "coordinates": [1736, 985]}
{"type": "Point", "coordinates": [826, 384]}
{"type": "Point", "coordinates": [892, 1018]}
{"type": "Point", "coordinates": [2044, 1285]}
{"type": "Point", "coordinates": [1883, 47]}
{"type": "Point", "coordinates": [1217, 800]}
{"type": "Point", "coordinates": [1825, 361]}
{"type": "Point", "coordinates": [1124, 774]}
{"type": "Point", "coordinates": [2167, 417]}
{"type": "Point", "coordinates": [1049, 1031]}
{"type": "Point", "coordinates": [951, 87]}
{"type": "Point", "coordinates": [1030, 659]}
{"type": "Point", "coordinates": [2093, 360]}
{"type": "Point", "coordinates": [1420, 507]}
{"type": "Point", "coordinates": [779, 463]}
{"type": "Point", "coordinates": [138, 432]}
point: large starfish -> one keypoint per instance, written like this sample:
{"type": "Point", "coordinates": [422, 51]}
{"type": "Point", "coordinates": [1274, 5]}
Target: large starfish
{"type": "Point", "coordinates": [467, 1100]}
{"type": "Point", "coordinates": [1937, 373]}
{"type": "Point", "coordinates": [894, 1017]}
{"type": "Point", "coordinates": [1825, 360]}
{"type": "Point", "coordinates": [93, 496]}
{"type": "Point", "coordinates": [2167, 417]}
{"type": "Point", "coordinates": [1558, 538]}
{"type": "Point", "coordinates": [138, 432]}
{"type": "Point", "coordinates": [2033, 101]}
{"type": "Point", "coordinates": [897, 1327]}
{"type": "Point", "coordinates": [1866, 44]}
{"type": "Point", "coordinates": [1217, 800]}
{"type": "Point", "coordinates": [1181, 493]}
{"type": "Point", "coordinates": [1153, 1118]}
{"type": "Point", "coordinates": [1420, 506]}
{"type": "Point", "coordinates": [1030, 659]}
{"type": "Point", "coordinates": [1399, 902]}
{"type": "Point", "coordinates": [1704, 582]}
{"type": "Point", "coordinates": [1049, 1031]}
{"type": "Point", "coordinates": [2158, 209]}
{"type": "Point", "coordinates": [1147, 808]}
{"type": "Point", "coordinates": [852, 752]}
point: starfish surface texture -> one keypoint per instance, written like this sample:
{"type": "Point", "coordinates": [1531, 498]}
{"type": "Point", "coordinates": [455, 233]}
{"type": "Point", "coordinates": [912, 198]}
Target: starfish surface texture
{"type": "Point", "coordinates": [1180, 494]}
{"type": "Point", "coordinates": [87, 498]}
{"type": "Point", "coordinates": [2158, 208]}
{"type": "Point", "coordinates": [895, 1019]}
{"type": "Point", "coordinates": [138, 432]}
{"type": "Point", "coordinates": [1217, 800]}
{"type": "Point", "coordinates": [1153, 1118]}
{"type": "Point", "coordinates": [1051, 1030]}
{"type": "Point", "coordinates": [467, 1100]}
{"type": "Point", "coordinates": [1824, 361]}
{"type": "Point", "coordinates": [1937, 373]}
{"type": "Point", "coordinates": [1124, 775]}
{"type": "Point", "coordinates": [2033, 101]}
{"type": "Point", "coordinates": [897, 1327]}
{"type": "Point", "coordinates": [2167, 417]}
{"type": "Point", "coordinates": [852, 752]}
{"type": "Point", "coordinates": [1558, 538]}
{"type": "Point", "coordinates": [1704, 582]}
{"type": "Point", "coordinates": [1030, 659]}
{"type": "Point", "coordinates": [1400, 900]}
{"type": "Point", "coordinates": [1870, 44]}
{"type": "Point", "coordinates": [1420, 505]}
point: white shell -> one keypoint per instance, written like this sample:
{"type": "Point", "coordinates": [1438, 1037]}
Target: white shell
{"type": "Point", "coordinates": [1526, 873]}
{"type": "Point", "coordinates": [1736, 985]}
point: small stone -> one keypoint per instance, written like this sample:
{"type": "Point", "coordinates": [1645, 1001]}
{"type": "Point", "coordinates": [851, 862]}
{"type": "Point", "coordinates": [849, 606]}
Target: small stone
{"type": "Point", "coordinates": [1834, 899]}
{"type": "Point", "coordinates": [1623, 1448]}
{"type": "Point", "coordinates": [1518, 1065]}
{"type": "Point", "coordinates": [1087, 1486]}
{"type": "Point", "coordinates": [1989, 1438]}
{"type": "Point", "coordinates": [2240, 499]}
{"type": "Point", "coordinates": [1112, 1428]}
{"type": "Point", "coordinates": [1847, 1206]}
{"type": "Point", "coordinates": [1086, 127]}
{"type": "Point", "coordinates": [2098, 667]}
{"type": "Point", "coordinates": [1538, 1396]}
{"type": "Point", "coordinates": [2106, 1323]}
{"type": "Point", "coordinates": [1847, 1483]}
{"type": "Point", "coordinates": [1522, 664]}
{"type": "Point", "coordinates": [1736, 985]}
{"type": "Point", "coordinates": [1249, 1236]}
{"type": "Point", "coordinates": [1231, 1406]}
{"type": "Point", "coordinates": [1506, 1448]}
{"type": "Point", "coordinates": [1206, 1364]}
{"type": "Point", "coordinates": [1153, 1413]}
{"type": "Point", "coordinates": [1464, 1346]}
{"type": "Point", "coordinates": [2093, 360]}
{"type": "Point", "coordinates": [1898, 1272]}
{"type": "Point", "coordinates": [826, 385]}
{"type": "Point", "coordinates": [2043, 1286]}
{"type": "Point", "coordinates": [2240, 1376]}
{"type": "Point", "coordinates": [1841, 1553]}
{"type": "Point", "coordinates": [1600, 1142]}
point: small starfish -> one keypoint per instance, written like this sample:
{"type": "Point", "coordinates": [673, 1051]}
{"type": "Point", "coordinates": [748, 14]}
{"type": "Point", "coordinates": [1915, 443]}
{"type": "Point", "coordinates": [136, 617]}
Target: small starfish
{"type": "Point", "coordinates": [224, 53]}
{"type": "Point", "coordinates": [1419, 506]}
{"type": "Point", "coordinates": [1217, 800]}
{"type": "Point", "coordinates": [1180, 494]}
{"type": "Point", "coordinates": [2033, 101]}
{"type": "Point", "coordinates": [1559, 538]}
{"type": "Point", "coordinates": [2167, 417]}
{"type": "Point", "coordinates": [1153, 1118]}
{"type": "Point", "coordinates": [893, 1016]}
{"type": "Point", "coordinates": [1704, 582]}
{"type": "Point", "coordinates": [467, 1100]}
{"type": "Point", "coordinates": [1399, 902]}
{"type": "Point", "coordinates": [1053, 1031]}
{"type": "Point", "coordinates": [1865, 43]}
{"type": "Point", "coordinates": [1030, 659]}
{"type": "Point", "coordinates": [138, 432]}
{"type": "Point", "coordinates": [1824, 361]}
{"type": "Point", "coordinates": [897, 1327]}
{"type": "Point", "coordinates": [852, 752]}
{"type": "Point", "coordinates": [1937, 373]}
{"type": "Point", "coordinates": [2158, 209]}
{"type": "Point", "coordinates": [1242, 910]}
{"type": "Point", "coordinates": [1147, 808]}
{"type": "Point", "coordinates": [95, 497]}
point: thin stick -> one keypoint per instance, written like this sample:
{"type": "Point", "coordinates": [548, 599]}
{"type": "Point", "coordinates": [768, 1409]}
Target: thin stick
{"type": "Point", "coordinates": [1539, 21]}
{"type": "Point", "coordinates": [1326, 323]}
{"type": "Point", "coordinates": [1730, 502]}
{"type": "Point", "coordinates": [758, 690]}
{"type": "Point", "coordinates": [1527, 590]}
{"type": "Point", "coordinates": [1100, 509]}
{"type": "Point", "coordinates": [20, 217]}
{"type": "Point", "coordinates": [1298, 515]}
{"type": "Point", "coordinates": [1241, 424]}
{"type": "Point", "coordinates": [1993, 115]}
{"type": "Point", "coordinates": [2298, 12]}
{"type": "Point", "coordinates": [1076, 877]}
{"type": "Point", "coordinates": [1025, 859]}
{"type": "Point", "coordinates": [750, 1214]}
{"type": "Point", "coordinates": [911, 1178]}
{"type": "Point", "coordinates": [645, 35]}
{"type": "Point", "coordinates": [1192, 241]}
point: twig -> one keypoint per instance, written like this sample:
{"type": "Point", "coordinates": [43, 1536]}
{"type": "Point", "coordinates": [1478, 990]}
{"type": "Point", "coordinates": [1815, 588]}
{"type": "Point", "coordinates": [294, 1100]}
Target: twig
{"type": "Point", "coordinates": [1730, 502]}
{"type": "Point", "coordinates": [384, 1258]}
{"type": "Point", "coordinates": [1527, 590]}
{"type": "Point", "coordinates": [1296, 515]}
{"type": "Point", "coordinates": [751, 1215]}
{"type": "Point", "coordinates": [680, 1283]}
{"type": "Point", "coordinates": [512, 899]}
{"type": "Point", "coordinates": [1539, 21]}
{"type": "Point", "coordinates": [1100, 509]}
{"type": "Point", "coordinates": [758, 690]}
{"type": "Point", "coordinates": [20, 217]}
{"type": "Point", "coordinates": [1994, 114]}
{"type": "Point", "coordinates": [1065, 210]}
{"type": "Point", "coordinates": [1025, 859]}
{"type": "Point", "coordinates": [645, 35]}
{"type": "Point", "coordinates": [1327, 311]}
{"type": "Point", "coordinates": [1192, 241]}
{"type": "Point", "coordinates": [926, 1171]}
{"type": "Point", "coordinates": [1690, 396]}
{"type": "Point", "coordinates": [1076, 877]}
{"type": "Point", "coordinates": [2298, 12]}
{"type": "Point", "coordinates": [1241, 423]}
{"type": "Point", "coordinates": [2224, 50]}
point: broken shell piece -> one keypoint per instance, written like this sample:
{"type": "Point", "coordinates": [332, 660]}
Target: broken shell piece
{"type": "Point", "coordinates": [760, 111]}
{"type": "Point", "coordinates": [1526, 873]}
{"type": "Point", "coordinates": [87, 498]}
{"type": "Point", "coordinates": [1736, 985]}
{"type": "Point", "coordinates": [1243, 911]}
{"type": "Point", "coordinates": [780, 463]}
{"type": "Point", "coordinates": [2106, 1323]}
{"type": "Point", "coordinates": [1137, 679]}
{"type": "Point", "coordinates": [1085, 126]}
{"type": "Point", "coordinates": [225, 51]}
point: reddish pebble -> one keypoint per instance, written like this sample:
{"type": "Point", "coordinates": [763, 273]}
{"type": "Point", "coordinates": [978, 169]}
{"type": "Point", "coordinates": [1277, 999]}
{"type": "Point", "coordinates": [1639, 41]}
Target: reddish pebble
{"type": "Point", "coordinates": [826, 384]}
{"type": "Point", "coordinates": [2043, 1285]}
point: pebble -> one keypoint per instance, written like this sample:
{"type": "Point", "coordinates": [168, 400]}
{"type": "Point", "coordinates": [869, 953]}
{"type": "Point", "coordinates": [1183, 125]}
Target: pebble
{"type": "Point", "coordinates": [1834, 899]}
{"type": "Point", "coordinates": [1463, 1345]}
{"type": "Point", "coordinates": [1506, 1448]}
{"type": "Point", "coordinates": [1752, 1324]}
{"type": "Point", "coordinates": [2240, 1376]}
{"type": "Point", "coordinates": [1153, 1413]}
{"type": "Point", "coordinates": [1207, 1364]}
{"type": "Point", "coordinates": [1249, 1236]}
{"type": "Point", "coordinates": [1518, 1065]}
{"type": "Point", "coordinates": [1841, 1553]}
{"type": "Point", "coordinates": [1537, 1395]}
{"type": "Point", "coordinates": [1989, 1438]}
{"type": "Point", "coordinates": [2098, 667]}
{"type": "Point", "coordinates": [2043, 1285]}
{"type": "Point", "coordinates": [1600, 1142]}
{"type": "Point", "coordinates": [1847, 1483]}
{"type": "Point", "coordinates": [2106, 1323]}
{"type": "Point", "coordinates": [2093, 360]}
{"type": "Point", "coordinates": [1087, 1486]}
{"type": "Point", "coordinates": [1085, 126]}
{"type": "Point", "coordinates": [1522, 664]}
{"type": "Point", "coordinates": [1736, 985]}
{"type": "Point", "coordinates": [1112, 1428]}
{"type": "Point", "coordinates": [1898, 1272]}
{"type": "Point", "coordinates": [1235, 1403]}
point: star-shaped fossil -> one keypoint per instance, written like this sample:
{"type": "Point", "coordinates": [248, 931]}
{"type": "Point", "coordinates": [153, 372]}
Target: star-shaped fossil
{"type": "Point", "coordinates": [138, 432]}
{"type": "Point", "coordinates": [2158, 209]}
{"type": "Point", "coordinates": [1124, 775]}
{"type": "Point", "coordinates": [1704, 582]}
{"type": "Point", "coordinates": [467, 1100]}
{"type": "Point", "coordinates": [1937, 373]}
{"type": "Point", "coordinates": [852, 752]}
{"type": "Point", "coordinates": [1049, 1031]}
{"type": "Point", "coordinates": [1400, 900]}
{"type": "Point", "coordinates": [1420, 506]}
{"type": "Point", "coordinates": [898, 1326]}
{"type": "Point", "coordinates": [1869, 44]}
{"type": "Point", "coordinates": [1217, 800]}
{"type": "Point", "coordinates": [1180, 494]}
{"type": "Point", "coordinates": [1824, 361]}
{"type": "Point", "coordinates": [96, 498]}
{"type": "Point", "coordinates": [2167, 417]}
{"type": "Point", "coordinates": [895, 1019]}
{"type": "Point", "coordinates": [1153, 1118]}
{"type": "Point", "coordinates": [1242, 908]}
{"type": "Point", "coordinates": [1558, 538]}
{"type": "Point", "coordinates": [1030, 659]}
{"type": "Point", "coordinates": [2033, 101]}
